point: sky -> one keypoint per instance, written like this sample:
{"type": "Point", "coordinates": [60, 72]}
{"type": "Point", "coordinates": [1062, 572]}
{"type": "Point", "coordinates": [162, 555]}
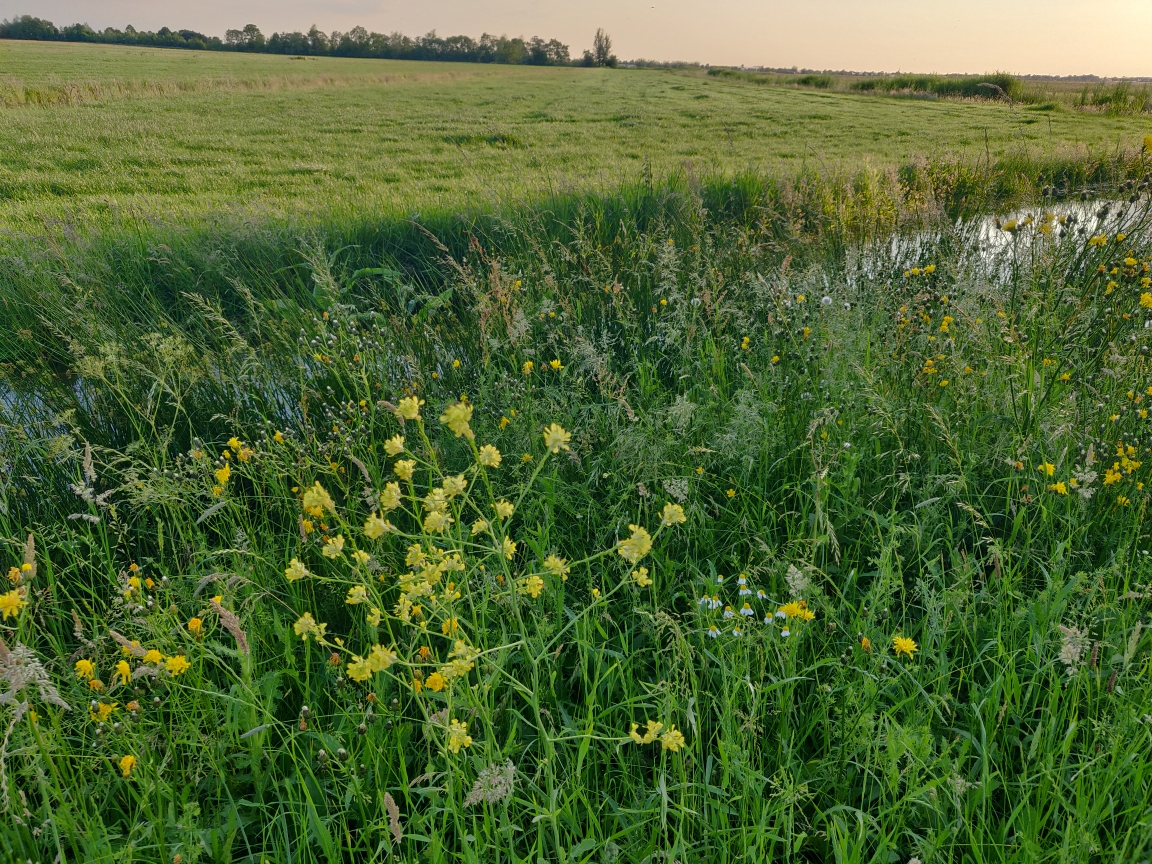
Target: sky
{"type": "Point", "coordinates": [1049, 37]}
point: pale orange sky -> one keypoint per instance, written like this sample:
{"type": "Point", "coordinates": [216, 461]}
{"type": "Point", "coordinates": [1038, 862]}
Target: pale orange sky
{"type": "Point", "coordinates": [1059, 37]}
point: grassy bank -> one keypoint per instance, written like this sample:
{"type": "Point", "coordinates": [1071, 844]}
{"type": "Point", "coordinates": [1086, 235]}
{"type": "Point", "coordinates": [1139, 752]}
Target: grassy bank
{"type": "Point", "coordinates": [112, 136]}
{"type": "Point", "coordinates": [906, 440]}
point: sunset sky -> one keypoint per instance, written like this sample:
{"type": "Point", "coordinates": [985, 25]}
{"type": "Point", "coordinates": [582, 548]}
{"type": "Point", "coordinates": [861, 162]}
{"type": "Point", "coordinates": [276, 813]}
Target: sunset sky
{"type": "Point", "coordinates": [1058, 37]}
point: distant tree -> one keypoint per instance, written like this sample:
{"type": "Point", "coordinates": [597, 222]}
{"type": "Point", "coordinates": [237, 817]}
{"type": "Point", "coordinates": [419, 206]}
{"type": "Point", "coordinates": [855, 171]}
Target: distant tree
{"type": "Point", "coordinates": [602, 48]}
{"type": "Point", "coordinates": [27, 27]}
{"type": "Point", "coordinates": [248, 39]}
{"type": "Point", "coordinates": [541, 53]}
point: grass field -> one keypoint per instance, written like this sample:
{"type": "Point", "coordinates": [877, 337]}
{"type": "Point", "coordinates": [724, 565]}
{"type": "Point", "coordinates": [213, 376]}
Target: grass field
{"type": "Point", "coordinates": [109, 132]}
{"type": "Point", "coordinates": [625, 516]}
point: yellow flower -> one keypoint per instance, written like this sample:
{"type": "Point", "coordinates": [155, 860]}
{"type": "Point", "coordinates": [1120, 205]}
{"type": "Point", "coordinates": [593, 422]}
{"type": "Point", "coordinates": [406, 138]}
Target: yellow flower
{"type": "Point", "coordinates": [557, 566]}
{"type": "Point", "coordinates": [435, 682]}
{"type": "Point", "coordinates": [177, 665]}
{"type": "Point", "coordinates": [556, 365]}
{"type": "Point", "coordinates": [454, 486]}
{"type": "Point", "coordinates": [456, 418]}
{"type": "Point", "coordinates": [866, 644]}
{"type": "Point", "coordinates": [1048, 468]}
{"type": "Point", "coordinates": [527, 367]}
{"type": "Point", "coordinates": [793, 609]}
{"type": "Point", "coordinates": [650, 734]}
{"type": "Point", "coordinates": [556, 438]}
{"type": "Point", "coordinates": [317, 500]}
{"type": "Point", "coordinates": [479, 526]}
{"type": "Point", "coordinates": [373, 618]}
{"type": "Point", "coordinates": [12, 602]}
{"type": "Point", "coordinates": [458, 736]}
{"type": "Point", "coordinates": [123, 672]}
{"type": "Point", "coordinates": [1146, 300]}
{"type": "Point", "coordinates": [503, 509]}
{"type": "Point", "coordinates": [731, 493]}
{"type": "Point", "coordinates": [223, 474]}
{"type": "Point", "coordinates": [102, 711]}
{"type": "Point", "coordinates": [532, 586]}
{"type": "Point", "coordinates": [295, 570]}
{"type": "Point", "coordinates": [278, 437]}
{"type": "Point", "coordinates": [640, 577]}
{"type": "Point", "coordinates": [504, 421]}
{"type": "Point", "coordinates": [380, 658]}
{"type": "Point", "coordinates": [508, 548]}
{"type": "Point", "coordinates": [1059, 488]}
{"type": "Point", "coordinates": [636, 546]}
{"type": "Point", "coordinates": [361, 557]}
{"type": "Point", "coordinates": [85, 669]}
{"type": "Point", "coordinates": [358, 669]}
{"type": "Point", "coordinates": [672, 739]}
{"type": "Point", "coordinates": [306, 626]}
{"type": "Point", "coordinates": [437, 522]}
{"type": "Point", "coordinates": [356, 594]}
{"type": "Point", "coordinates": [374, 527]}
{"type": "Point", "coordinates": [394, 445]}
{"type": "Point", "coordinates": [489, 456]}
{"type": "Point", "coordinates": [390, 497]}
{"type": "Point", "coordinates": [904, 645]}
{"type": "Point", "coordinates": [1122, 500]}
{"type": "Point", "coordinates": [153, 656]}
{"type": "Point", "coordinates": [404, 469]}
{"type": "Point", "coordinates": [195, 627]}
{"type": "Point", "coordinates": [333, 546]}
{"type": "Point", "coordinates": [409, 408]}
{"type": "Point", "coordinates": [672, 514]}
{"type": "Point", "coordinates": [127, 763]}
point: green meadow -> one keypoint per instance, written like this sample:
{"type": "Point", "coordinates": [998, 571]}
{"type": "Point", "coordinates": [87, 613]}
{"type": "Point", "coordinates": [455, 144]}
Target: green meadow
{"type": "Point", "coordinates": [404, 462]}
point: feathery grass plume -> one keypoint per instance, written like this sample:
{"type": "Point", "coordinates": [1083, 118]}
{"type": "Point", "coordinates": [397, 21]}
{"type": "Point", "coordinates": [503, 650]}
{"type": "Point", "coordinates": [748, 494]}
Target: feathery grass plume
{"type": "Point", "coordinates": [20, 669]}
{"type": "Point", "coordinates": [493, 784]}
{"type": "Point", "coordinates": [29, 567]}
{"type": "Point", "coordinates": [133, 648]}
{"type": "Point", "coordinates": [797, 581]}
{"type": "Point", "coordinates": [1073, 644]}
{"type": "Point", "coordinates": [231, 623]}
{"type": "Point", "coordinates": [393, 811]}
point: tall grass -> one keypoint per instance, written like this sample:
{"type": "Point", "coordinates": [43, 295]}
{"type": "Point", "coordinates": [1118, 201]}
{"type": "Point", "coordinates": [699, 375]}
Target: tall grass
{"type": "Point", "coordinates": [908, 436]}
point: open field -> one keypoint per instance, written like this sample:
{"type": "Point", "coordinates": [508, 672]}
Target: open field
{"type": "Point", "coordinates": [185, 133]}
{"type": "Point", "coordinates": [769, 515]}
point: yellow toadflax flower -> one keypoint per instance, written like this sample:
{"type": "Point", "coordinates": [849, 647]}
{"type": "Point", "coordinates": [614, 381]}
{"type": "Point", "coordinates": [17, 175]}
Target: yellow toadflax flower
{"type": "Point", "coordinates": [409, 408]}
{"type": "Point", "coordinates": [12, 602]}
{"type": "Point", "coordinates": [508, 548]}
{"type": "Point", "coordinates": [404, 469]}
{"type": "Point", "coordinates": [317, 500]}
{"type": "Point", "coordinates": [672, 514]}
{"type": "Point", "coordinates": [454, 486]}
{"type": "Point", "coordinates": [394, 445]}
{"type": "Point", "coordinates": [458, 736]}
{"type": "Point", "coordinates": [358, 669]}
{"type": "Point", "coordinates": [127, 763]}
{"type": "Point", "coordinates": [356, 594]}
{"type": "Point", "coordinates": [85, 670]}
{"type": "Point", "coordinates": [904, 645]}
{"type": "Point", "coordinates": [556, 438]}
{"type": "Point", "coordinates": [479, 526]}
{"type": "Point", "coordinates": [306, 626]}
{"type": "Point", "coordinates": [650, 735]}
{"type": "Point", "coordinates": [361, 557]}
{"type": "Point", "coordinates": [672, 739]}
{"type": "Point", "coordinates": [456, 418]}
{"type": "Point", "coordinates": [640, 577]}
{"type": "Point", "coordinates": [489, 456]}
{"type": "Point", "coordinates": [295, 571]}
{"type": "Point", "coordinates": [390, 497]}
{"type": "Point", "coordinates": [380, 658]}
{"type": "Point", "coordinates": [333, 546]}
{"type": "Point", "coordinates": [437, 522]}
{"type": "Point", "coordinates": [503, 509]}
{"type": "Point", "coordinates": [177, 665]}
{"type": "Point", "coordinates": [636, 546]}
{"type": "Point", "coordinates": [557, 566]}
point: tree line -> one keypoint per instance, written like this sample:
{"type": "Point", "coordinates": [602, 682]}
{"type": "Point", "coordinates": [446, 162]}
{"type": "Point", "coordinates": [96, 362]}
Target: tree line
{"type": "Point", "coordinates": [357, 42]}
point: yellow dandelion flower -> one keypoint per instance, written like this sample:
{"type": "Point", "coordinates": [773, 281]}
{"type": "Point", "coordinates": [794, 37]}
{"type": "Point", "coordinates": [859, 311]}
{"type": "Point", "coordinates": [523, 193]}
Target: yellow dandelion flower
{"type": "Point", "coordinates": [177, 665]}
{"type": "Point", "coordinates": [123, 672]}
{"type": "Point", "coordinates": [556, 365]}
{"type": "Point", "coordinates": [223, 474]}
{"type": "Point", "coordinates": [435, 682]}
{"type": "Point", "coordinates": [12, 602]}
{"type": "Point", "coordinates": [127, 764]}
{"type": "Point", "coordinates": [195, 627]}
{"type": "Point", "coordinates": [85, 670]}
{"type": "Point", "coordinates": [153, 656]}
{"type": "Point", "coordinates": [1059, 488]}
{"type": "Point", "coordinates": [904, 645]}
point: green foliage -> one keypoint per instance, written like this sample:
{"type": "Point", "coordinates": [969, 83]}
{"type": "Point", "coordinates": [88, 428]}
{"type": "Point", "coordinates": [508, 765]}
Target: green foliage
{"type": "Point", "coordinates": [999, 85]}
{"type": "Point", "coordinates": [813, 446]}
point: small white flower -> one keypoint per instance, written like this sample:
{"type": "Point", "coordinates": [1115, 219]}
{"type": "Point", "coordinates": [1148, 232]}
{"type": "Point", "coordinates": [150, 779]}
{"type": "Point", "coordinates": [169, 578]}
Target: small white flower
{"type": "Point", "coordinates": [713, 632]}
{"type": "Point", "coordinates": [825, 300]}
{"type": "Point", "coordinates": [785, 633]}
